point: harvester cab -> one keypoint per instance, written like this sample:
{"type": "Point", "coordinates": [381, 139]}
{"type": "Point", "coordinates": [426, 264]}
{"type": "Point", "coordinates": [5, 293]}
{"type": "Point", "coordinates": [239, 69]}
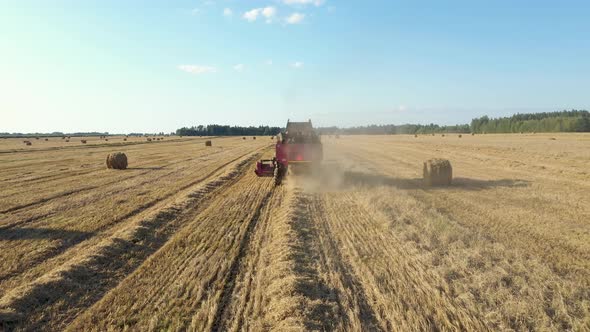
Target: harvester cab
{"type": "Point", "coordinates": [299, 147]}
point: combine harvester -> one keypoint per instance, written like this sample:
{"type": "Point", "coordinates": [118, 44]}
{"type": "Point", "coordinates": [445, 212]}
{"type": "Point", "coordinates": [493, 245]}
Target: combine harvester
{"type": "Point", "coordinates": [298, 149]}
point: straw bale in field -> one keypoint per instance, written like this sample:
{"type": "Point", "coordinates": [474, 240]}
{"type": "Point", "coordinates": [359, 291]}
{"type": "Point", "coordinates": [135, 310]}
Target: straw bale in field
{"type": "Point", "coordinates": [208, 143]}
{"type": "Point", "coordinates": [83, 141]}
{"type": "Point", "coordinates": [437, 172]}
{"type": "Point", "coordinates": [117, 160]}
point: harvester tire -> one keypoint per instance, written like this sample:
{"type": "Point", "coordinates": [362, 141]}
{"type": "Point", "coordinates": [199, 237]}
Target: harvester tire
{"type": "Point", "coordinates": [278, 175]}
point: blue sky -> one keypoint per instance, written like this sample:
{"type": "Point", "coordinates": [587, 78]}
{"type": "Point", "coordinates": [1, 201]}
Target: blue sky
{"type": "Point", "coordinates": [135, 66]}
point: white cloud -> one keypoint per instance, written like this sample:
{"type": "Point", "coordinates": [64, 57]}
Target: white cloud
{"type": "Point", "coordinates": [268, 12]}
{"type": "Point", "coordinates": [303, 2]}
{"type": "Point", "coordinates": [297, 64]}
{"type": "Point", "coordinates": [295, 18]}
{"type": "Point", "coordinates": [251, 15]}
{"type": "Point", "coordinates": [239, 67]}
{"type": "Point", "coordinates": [196, 69]}
{"type": "Point", "coordinates": [227, 12]}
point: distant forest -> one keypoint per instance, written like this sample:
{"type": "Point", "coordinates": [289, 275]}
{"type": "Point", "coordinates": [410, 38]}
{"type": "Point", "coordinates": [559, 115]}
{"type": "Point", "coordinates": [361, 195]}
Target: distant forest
{"type": "Point", "coordinates": [561, 121]}
{"type": "Point", "coordinates": [564, 121]}
{"type": "Point", "coordinates": [395, 129]}
{"type": "Point", "coordinates": [220, 130]}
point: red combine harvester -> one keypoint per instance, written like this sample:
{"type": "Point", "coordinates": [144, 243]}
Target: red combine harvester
{"type": "Point", "coordinates": [299, 147]}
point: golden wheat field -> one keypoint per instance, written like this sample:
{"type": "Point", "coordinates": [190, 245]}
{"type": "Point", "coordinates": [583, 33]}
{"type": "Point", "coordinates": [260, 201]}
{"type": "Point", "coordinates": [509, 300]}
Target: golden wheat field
{"type": "Point", "coordinates": [188, 238]}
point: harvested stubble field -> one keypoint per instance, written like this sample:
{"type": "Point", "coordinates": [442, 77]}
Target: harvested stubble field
{"type": "Point", "coordinates": [187, 238]}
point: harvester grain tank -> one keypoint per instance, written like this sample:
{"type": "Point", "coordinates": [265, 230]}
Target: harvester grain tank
{"type": "Point", "coordinates": [299, 147]}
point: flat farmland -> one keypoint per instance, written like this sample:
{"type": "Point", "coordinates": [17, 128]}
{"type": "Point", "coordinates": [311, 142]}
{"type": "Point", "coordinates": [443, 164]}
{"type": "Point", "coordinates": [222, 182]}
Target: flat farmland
{"type": "Point", "coordinates": [188, 238]}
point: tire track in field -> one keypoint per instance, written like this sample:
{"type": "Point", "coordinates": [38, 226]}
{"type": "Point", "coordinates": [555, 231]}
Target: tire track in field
{"type": "Point", "coordinates": [402, 292]}
{"type": "Point", "coordinates": [101, 185]}
{"type": "Point", "coordinates": [357, 303]}
{"type": "Point", "coordinates": [225, 298]}
{"type": "Point", "coordinates": [52, 177]}
{"type": "Point", "coordinates": [78, 238]}
{"type": "Point", "coordinates": [99, 195]}
{"type": "Point", "coordinates": [181, 286]}
{"type": "Point", "coordinates": [107, 263]}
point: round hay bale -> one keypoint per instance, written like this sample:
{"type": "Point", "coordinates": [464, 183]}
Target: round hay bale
{"type": "Point", "coordinates": [460, 135]}
{"type": "Point", "coordinates": [124, 139]}
{"type": "Point", "coordinates": [106, 139]}
{"type": "Point", "coordinates": [243, 138]}
{"type": "Point", "coordinates": [553, 138]}
{"type": "Point", "coordinates": [208, 143]}
{"type": "Point", "coordinates": [36, 137]}
{"type": "Point", "coordinates": [83, 141]}
{"type": "Point", "coordinates": [253, 137]}
{"type": "Point", "coordinates": [472, 134]}
{"type": "Point", "coordinates": [437, 172]}
{"type": "Point", "coordinates": [149, 139]}
{"type": "Point", "coordinates": [47, 139]}
{"type": "Point", "coordinates": [443, 135]}
{"type": "Point", "coordinates": [28, 143]}
{"type": "Point", "coordinates": [117, 160]}
{"type": "Point", "coordinates": [415, 135]}
{"type": "Point", "coordinates": [272, 137]}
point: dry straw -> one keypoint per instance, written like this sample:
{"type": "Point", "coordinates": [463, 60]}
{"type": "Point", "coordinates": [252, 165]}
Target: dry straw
{"type": "Point", "coordinates": [117, 160]}
{"type": "Point", "coordinates": [437, 172]}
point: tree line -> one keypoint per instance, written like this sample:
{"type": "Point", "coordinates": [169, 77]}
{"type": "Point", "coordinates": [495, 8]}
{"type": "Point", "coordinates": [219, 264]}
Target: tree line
{"type": "Point", "coordinates": [561, 121]}
{"type": "Point", "coordinates": [390, 129]}
{"type": "Point", "coordinates": [221, 130]}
